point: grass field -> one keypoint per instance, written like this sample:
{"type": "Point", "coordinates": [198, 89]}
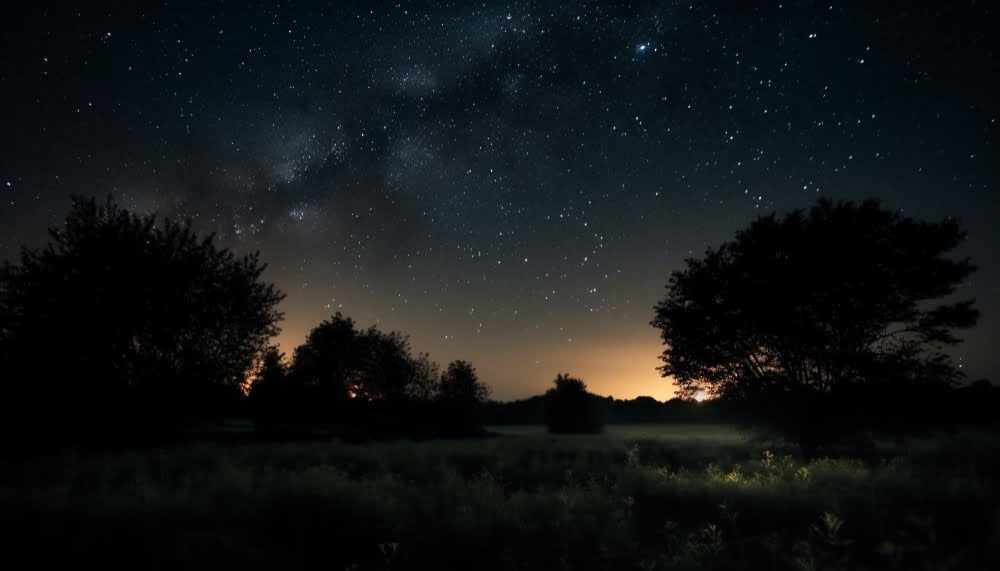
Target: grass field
{"type": "Point", "coordinates": [636, 497]}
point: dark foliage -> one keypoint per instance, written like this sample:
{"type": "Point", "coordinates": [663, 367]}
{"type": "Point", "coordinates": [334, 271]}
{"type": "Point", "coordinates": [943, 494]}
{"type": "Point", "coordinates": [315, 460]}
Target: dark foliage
{"type": "Point", "coordinates": [569, 408]}
{"type": "Point", "coordinates": [274, 398]}
{"type": "Point", "coordinates": [346, 363]}
{"type": "Point", "coordinates": [972, 405]}
{"type": "Point", "coordinates": [364, 384]}
{"type": "Point", "coordinates": [646, 409]}
{"type": "Point", "coordinates": [124, 325]}
{"type": "Point", "coordinates": [523, 411]}
{"type": "Point", "coordinates": [460, 397]}
{"type": "Point", "coordinates": [330, 360]}
{"type": "Point", "coordinates": [642, 410]}
{"type": "Point", "coordinates": [977, 404]}
{"type": "Point", "coordinates": [827, 317]}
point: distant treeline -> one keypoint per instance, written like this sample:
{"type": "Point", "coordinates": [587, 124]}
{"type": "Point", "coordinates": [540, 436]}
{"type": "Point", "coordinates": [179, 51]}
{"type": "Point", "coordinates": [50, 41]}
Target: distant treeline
{"type": "Point", "coordinates": [612, 411]}
{"type": "Point", "coordinates": [976, 403]}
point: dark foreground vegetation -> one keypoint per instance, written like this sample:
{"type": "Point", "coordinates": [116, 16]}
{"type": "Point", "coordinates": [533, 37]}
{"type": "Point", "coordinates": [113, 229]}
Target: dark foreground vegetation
{"type": "Point", "coordinates": [637, 497]}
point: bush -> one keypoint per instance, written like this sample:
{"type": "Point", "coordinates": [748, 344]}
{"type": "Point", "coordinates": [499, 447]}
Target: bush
{"type": "Point", "coordinates": [569, 408]}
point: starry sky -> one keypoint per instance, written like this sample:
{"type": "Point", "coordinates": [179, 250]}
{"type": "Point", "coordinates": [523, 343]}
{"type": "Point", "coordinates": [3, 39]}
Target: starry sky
{"type": "Point", "coordinates": [510, 183]}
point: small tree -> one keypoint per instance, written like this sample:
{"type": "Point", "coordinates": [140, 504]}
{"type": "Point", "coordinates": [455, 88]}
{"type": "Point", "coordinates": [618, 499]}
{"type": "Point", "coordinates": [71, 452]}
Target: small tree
{"type": "Point", "coordinates": [818, 314]}
{"type": "Point", "coordinates": [569, 408]}
{"type": "Point", "coordinates": [424, 381]}
{"type": "Point", "coordinates": [125, 324]}
{"type": "Point", "coordinates": [461, 396]}
{"type": "Point", "coordinates": [460, 384]}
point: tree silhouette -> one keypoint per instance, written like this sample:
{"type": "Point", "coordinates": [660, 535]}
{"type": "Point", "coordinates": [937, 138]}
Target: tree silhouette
{"type": "Point", "coordinates": [461, 396]}
{"type": "Point", "coordinates": [386, 364]}
{"type": "Point", "coordinates": [370, 365]}
{"type": "Point", "coordinates": [330, 361]}
{"type": "Point", "coordinates": [460, 384]}
{"type": "Point", "coordinates": [367, 381]}
{"type": "Point", "coordinates": [424, 379]}
{"type": "Point", "coordinates": [124, 321]}
{"type": "Point", "coordinates": [829, 306]}
{"type": "Point", "coordinates": [569, 408]}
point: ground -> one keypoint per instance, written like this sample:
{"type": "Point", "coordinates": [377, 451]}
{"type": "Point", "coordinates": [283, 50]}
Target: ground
{"type": "Point", "coordinates": [636, 497]}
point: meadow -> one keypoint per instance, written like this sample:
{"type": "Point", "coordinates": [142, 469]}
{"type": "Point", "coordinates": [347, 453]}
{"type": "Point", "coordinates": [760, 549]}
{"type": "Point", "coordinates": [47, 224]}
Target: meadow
{"type": "Point", "coordinates": [636, 497]}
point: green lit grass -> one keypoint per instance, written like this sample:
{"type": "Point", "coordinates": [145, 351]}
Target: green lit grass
{"type": "Point", "coordinates": [636, 497]}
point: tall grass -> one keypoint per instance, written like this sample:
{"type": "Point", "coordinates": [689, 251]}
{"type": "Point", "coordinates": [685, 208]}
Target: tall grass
{"type": "Point", "coordinates": [635, 498]}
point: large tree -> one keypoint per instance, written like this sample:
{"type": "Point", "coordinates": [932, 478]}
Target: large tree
{"type": "Point", "coordinates": [819, 302]}
{"type": "Point", "coordinates": [126, 318]}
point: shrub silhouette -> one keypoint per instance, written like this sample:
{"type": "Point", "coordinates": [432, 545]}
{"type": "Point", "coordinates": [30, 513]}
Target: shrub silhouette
{"type": "Point", "coordinates": [124, 326]}
{"type": "Point", "coordinates": [461, 396]}
{"type": "Point", "coordinates": [569, 408]}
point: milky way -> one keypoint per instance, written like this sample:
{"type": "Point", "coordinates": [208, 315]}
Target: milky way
{"type": "Point", "coordinates": [509, 183]}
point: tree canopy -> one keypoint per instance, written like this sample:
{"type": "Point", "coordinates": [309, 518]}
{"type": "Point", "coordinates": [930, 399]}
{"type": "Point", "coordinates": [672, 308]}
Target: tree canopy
{"type": "Point", "coordinates": [840, 295]}
{"type": "Point", "coordinates": [460, 384]}
{"type": "Point", "coordinates": [368, 365]}
{"type": "Point", "coordinates": [126, 315]}
{"type": "Point", "coordinates": [460, 398]}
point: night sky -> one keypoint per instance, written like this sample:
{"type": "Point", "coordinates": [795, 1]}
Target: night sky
{"type": "Point", "coordinates": [509, 183]}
